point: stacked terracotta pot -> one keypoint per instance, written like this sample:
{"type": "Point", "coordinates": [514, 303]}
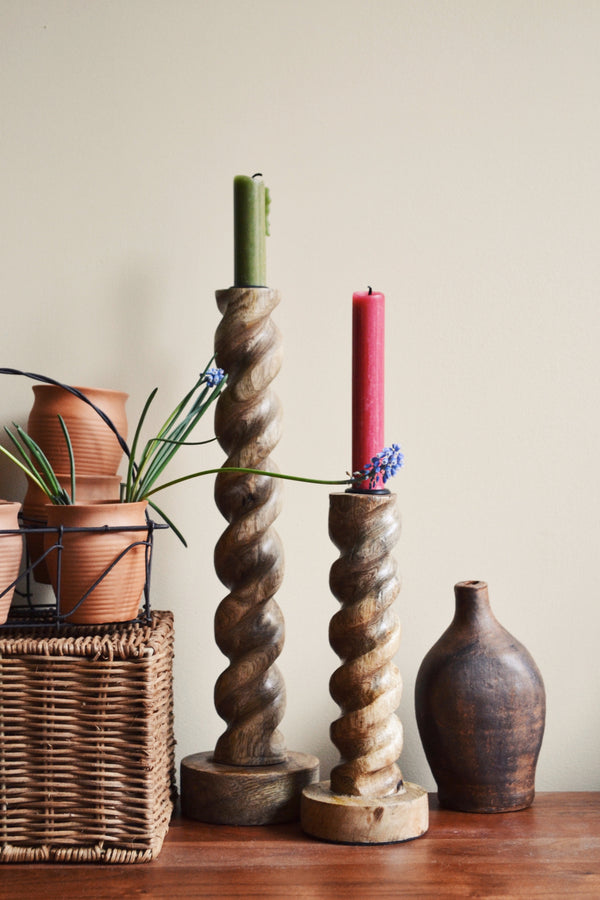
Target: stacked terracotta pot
{"type": "Point", "coordinates": [11, 551]}
{"type": "Point", "coordinates": [106, 568]}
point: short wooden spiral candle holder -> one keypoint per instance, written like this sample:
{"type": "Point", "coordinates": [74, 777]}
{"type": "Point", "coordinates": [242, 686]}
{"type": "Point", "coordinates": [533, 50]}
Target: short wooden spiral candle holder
{"type": "Point", "coordinates": [367, 801]}
{"type": "Point", "coordinates": [250, 779]}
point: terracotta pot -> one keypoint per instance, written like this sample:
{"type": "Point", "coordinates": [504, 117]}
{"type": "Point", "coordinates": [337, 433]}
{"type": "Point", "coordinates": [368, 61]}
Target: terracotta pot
{"type": "Point", "coordinates": [11, 550]}
{"type": "Point", "coordinates": [95, 446]}
{"type": "Point", "coordinates": [86, 556]}
{"type": "Point", "coordinates": [481, 708]}
{"type": "Point", "coordinates": [88, 489]}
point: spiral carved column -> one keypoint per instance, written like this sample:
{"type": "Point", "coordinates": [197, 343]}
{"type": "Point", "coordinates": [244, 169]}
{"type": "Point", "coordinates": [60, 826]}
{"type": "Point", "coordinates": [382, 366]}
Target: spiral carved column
{"type": "Point", "coordinates": [249, 629]}
{"type": "Point", "coordinates": [365, 634]}
{"type": "Point", "coordinates": [250, 778]}
{"type": "Point", "coordinates": [366, 800]}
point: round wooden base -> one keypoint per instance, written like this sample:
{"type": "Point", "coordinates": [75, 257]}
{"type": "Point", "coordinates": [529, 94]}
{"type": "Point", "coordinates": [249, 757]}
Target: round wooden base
{"type": "Point", "coordinates": [245, 795]}
{"type": "Point", "coordinates": [363, 820]}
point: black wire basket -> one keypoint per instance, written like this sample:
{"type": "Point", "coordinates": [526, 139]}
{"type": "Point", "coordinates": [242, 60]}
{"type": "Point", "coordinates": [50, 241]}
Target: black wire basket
{"type": "Point", "coordinates": [38, 604]}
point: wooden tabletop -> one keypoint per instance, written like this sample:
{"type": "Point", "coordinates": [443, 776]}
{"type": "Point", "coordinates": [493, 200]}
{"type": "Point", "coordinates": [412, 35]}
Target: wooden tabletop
{"type": "Point", "coordinates": [549, 850]}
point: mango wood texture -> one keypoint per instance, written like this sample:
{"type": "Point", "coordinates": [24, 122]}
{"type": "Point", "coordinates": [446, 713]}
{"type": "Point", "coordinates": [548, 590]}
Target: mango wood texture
{"type": "Point", "coordinates": [550, 850]}
{"type": "Point", "coordinates": [401, 816]}
{"type": "Point", "coordinates": [249, 629]}
{"type": "Point", "coordinates": [366, 800]}
{"type": "Point", "coordinates": [250, 778]}
{"type": "Point", "coordinates": [245, 795]}
{"type": "Point", "coordinates": [365, 634]}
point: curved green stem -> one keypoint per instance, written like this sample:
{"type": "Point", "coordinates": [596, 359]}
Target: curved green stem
{"type": "Point", "coordinates": [245, 471]}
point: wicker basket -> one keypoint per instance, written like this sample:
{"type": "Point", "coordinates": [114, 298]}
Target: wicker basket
{"type": "Point", "coordinates": [87, 770]}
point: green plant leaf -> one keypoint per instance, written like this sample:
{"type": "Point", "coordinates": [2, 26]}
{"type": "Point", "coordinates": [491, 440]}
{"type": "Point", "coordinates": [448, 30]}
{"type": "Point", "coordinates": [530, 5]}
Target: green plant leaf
{"type": "Point", "coordinates": [65, 431]}
{"type": "Point", "coordinates": [168, 521]}
{"type": "Point", "coordinates": [160, 450]}
{"type": "Point", "coordinates": [27, 469]}
{"type": "Point", "coordinates": [131, 467]}
{"type": "Point", "coordinates": [41, 459]}
{"type": "Point", "coordinates": [247, 471]}
{"type": "Point", "coordinates": [137, 484]}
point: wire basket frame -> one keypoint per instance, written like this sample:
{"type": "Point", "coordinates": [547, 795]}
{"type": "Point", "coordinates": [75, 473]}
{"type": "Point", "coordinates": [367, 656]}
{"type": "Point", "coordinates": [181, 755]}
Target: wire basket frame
{"type": "Point", "coordinates": [27, 608]}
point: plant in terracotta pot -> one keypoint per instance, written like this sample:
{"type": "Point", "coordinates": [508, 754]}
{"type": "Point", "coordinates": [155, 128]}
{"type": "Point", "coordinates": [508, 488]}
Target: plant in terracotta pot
{"type": "Point", "coordinates": [102, 580]}
{"type": "Point", "coordinates": [34, 516]}
{"type": "Point", "coordinates": [99, 580]}
{"type": "Point", "coordinates": [97, 423]}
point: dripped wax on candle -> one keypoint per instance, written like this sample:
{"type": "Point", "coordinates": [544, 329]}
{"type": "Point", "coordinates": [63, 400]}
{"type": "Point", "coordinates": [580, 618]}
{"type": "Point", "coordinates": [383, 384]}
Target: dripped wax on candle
{"type": "Point", "coordinates": [250, 199]}
{"type": "Point", "coordinates": [368, 358]}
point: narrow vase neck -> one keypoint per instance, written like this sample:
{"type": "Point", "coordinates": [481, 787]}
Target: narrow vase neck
{"type": "Point", "coordinates": [472, 603]}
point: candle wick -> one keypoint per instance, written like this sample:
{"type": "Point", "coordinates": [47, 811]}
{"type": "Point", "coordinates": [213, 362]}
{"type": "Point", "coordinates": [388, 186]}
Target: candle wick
{"type": "Point", "coordinates": [370, 290]}
{"type": "Point", "coordinates": [257, 175]}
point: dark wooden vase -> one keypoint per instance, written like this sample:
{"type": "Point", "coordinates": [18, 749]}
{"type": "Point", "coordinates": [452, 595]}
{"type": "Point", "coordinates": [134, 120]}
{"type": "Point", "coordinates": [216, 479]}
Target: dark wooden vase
{"type": "Point", "coordinates": [481, 708]}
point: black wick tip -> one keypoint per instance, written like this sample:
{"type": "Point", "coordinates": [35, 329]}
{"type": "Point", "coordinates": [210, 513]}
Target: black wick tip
{"type": "Point", "coordinates": [258, 175]}
{"type": "Point", "coordinates": [370, 290]}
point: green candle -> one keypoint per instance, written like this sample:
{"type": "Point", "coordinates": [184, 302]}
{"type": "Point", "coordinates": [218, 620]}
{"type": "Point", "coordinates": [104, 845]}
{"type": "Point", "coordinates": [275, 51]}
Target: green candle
{"type": "Point", "coordinates": [250, 228]}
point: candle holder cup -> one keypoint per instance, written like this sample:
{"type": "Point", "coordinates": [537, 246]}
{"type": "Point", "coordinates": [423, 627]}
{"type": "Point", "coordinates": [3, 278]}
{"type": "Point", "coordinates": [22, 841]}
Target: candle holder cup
{"type": "Point", "coordinates": [250, 778]}
{"type": "Point", "coordinates": [366, 800]}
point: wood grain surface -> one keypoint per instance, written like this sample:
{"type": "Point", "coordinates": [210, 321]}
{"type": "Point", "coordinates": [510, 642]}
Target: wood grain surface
{"type": "Point", "coordinates": [481, 710]}
{"type": "Point", "coordinates": [249, 627]}
{"type": "Point", "coordinates": [365, 634]}
{"type": "Point", "coordinates": [550, 850]}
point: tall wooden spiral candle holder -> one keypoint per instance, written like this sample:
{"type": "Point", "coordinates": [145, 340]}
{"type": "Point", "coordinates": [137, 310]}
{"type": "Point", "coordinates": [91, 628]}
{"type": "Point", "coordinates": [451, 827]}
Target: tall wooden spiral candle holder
{"type": "Point", "coordinates": [367, 801]}
{"type": "Point", "coordinates": [250, 779]}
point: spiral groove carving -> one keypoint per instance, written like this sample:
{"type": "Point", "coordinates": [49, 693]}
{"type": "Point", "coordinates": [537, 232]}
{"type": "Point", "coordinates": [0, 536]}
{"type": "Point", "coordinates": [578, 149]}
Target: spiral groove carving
{"type": "Point", "coordinates": [365, 633]}
{"type": "Point", "coordinates": [249, 628]}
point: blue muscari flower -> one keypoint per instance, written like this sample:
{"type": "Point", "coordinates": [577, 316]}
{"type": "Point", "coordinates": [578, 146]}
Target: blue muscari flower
{"type": "Point", "coordinates": [385, 464]}
{"type": "Point", "coordinates": [214, 376]}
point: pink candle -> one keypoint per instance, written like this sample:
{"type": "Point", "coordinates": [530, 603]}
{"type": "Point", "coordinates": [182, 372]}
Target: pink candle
{"type": "Point", "coordinates": [368, 338]}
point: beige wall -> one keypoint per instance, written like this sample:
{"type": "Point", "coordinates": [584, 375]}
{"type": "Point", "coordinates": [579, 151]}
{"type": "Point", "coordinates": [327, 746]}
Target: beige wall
{"type": "Point", "coordinates": [444, 152]}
